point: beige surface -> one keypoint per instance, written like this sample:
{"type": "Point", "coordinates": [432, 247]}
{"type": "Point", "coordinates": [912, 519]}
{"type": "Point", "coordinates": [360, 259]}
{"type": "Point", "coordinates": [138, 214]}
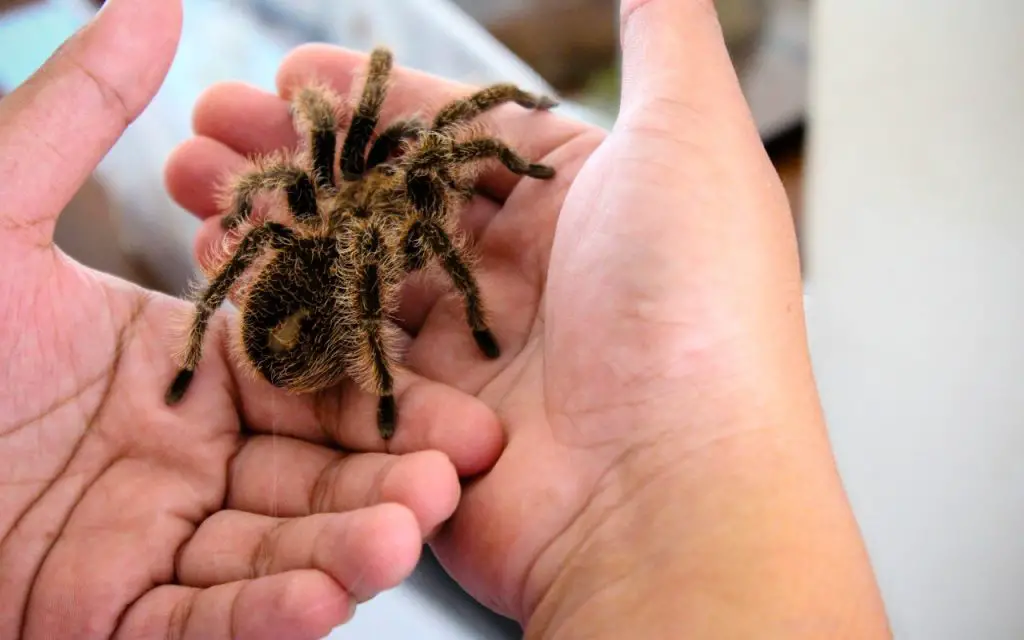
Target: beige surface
{"type": "Point", "coordinates": [914, 234]}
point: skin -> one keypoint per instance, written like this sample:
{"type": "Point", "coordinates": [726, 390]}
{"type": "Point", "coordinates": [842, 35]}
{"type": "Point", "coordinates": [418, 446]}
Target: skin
{"type": "Point", "coordinates": [667, 471]}
{"type": "Point", "coordinates": [121, 517]}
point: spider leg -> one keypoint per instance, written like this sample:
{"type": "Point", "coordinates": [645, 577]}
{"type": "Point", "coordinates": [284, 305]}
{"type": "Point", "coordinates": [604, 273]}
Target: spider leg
{"type": "Point", "coordinates": [456, 263]}
{"type": "Point", "coordinates": [390, 139]}
{"type": "Point", "coordinates": [413, 245]}
{"type": "Point", "coordinates": [367, 114]}
{"type": "Point", "coordinates": [254, 242]}
{"type": "Point", "coordinates": [428, 174]}
{"type": "Point", "coordinates": [372, 274]}
{"type": "Point", "coordinates": [486, 148]}
{"type": "Point", "coordinates": [463, 109]}
{"type": "Point", "coordinates": [466, 192]}
{"type": "Point", "coordinates": [315, 111]}
{"type": "Point", "coordinates": [273, 174]}
{"type": "Point", "coordinates": [463, 186]}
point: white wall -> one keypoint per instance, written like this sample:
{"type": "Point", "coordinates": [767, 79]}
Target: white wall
{"type": "Point", "coordinates": [915, 246]}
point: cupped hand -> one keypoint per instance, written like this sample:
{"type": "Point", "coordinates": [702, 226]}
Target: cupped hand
{"type": "Point", "coordinates": [241, 512]}
{"type": "Point", "coordinates": [648, 300]}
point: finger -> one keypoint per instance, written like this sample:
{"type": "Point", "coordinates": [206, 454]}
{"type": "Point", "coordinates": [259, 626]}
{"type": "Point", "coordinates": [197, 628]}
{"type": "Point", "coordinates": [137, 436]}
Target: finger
{"type": "Point", "coordinates": [246, 118]}
{"type": "Point", "coordinates": [57, 126]}
{"type": "Point", "coordinates": [285, 477]}
{"type": "Point", "coordinates": [683, 106]}
{"type": "Point", "coordinates": [195, 172]}
{"type": "Point", "coordinates": [431, 416]}
{"type": "Point", "coordinates": [303, 604]}
{"type": "Point", "coordinates": [365, 551]}
{"type": "Point", "coordinates": [677, 72]}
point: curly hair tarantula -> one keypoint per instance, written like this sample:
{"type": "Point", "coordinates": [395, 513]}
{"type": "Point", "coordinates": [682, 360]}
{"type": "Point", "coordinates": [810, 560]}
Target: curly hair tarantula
{"type": "Point", "coordinates": [318, 308]}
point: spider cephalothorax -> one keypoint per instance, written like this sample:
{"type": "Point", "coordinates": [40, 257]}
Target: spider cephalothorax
{"type": "Point", "coordinates": [326, 280]}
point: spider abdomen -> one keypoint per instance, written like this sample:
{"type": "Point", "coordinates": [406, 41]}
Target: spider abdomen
{"type": "Point", "coordinates": [290, 332]}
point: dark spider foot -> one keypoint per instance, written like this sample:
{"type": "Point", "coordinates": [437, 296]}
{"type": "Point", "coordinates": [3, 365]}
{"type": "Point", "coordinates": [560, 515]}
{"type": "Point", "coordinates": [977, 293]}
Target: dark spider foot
{"type": "Point", "coordinates": [178, 387]}
{"type": "Point", "coordinates": [485, 340]}
{"type": "Point", "coordinates": [541, 171]}
{"type": "Point", "coordinates": [386, 417]}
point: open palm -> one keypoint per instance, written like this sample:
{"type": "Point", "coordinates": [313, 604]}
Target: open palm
{"type": "Point", "coordinates": [634, 332]}
{"type": "Point", "coordinates": [242, 512]}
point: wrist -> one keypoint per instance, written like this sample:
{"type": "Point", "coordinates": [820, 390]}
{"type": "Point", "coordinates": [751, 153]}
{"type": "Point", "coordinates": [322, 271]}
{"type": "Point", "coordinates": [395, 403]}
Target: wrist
{"type": "Point", "coordinates": [749, 537]}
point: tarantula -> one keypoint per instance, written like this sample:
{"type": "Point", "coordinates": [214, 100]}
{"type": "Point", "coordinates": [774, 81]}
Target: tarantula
{"type": "Point", "coordinates": [319, 308]}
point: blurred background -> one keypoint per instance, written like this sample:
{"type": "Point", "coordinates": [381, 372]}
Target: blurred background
{"type": "Point", "coordinates": [907, 191]}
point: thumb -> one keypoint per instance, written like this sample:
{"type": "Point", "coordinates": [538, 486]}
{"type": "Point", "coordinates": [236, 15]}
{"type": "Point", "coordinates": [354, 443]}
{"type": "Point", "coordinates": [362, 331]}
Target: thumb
{"type": "Point", "coordinates": [676, 68]}
{"type": "Point", "coordinates": [57, 126]}
{"type": "Point", "coordinates": [716, 208]}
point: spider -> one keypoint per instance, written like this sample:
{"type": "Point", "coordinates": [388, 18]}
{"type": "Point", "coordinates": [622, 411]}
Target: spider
{"type": "Point", "coordinates": [319, 308]}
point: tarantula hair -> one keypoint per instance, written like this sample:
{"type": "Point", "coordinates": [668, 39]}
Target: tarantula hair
{"type": "Point", "coordinates": [320, 306]}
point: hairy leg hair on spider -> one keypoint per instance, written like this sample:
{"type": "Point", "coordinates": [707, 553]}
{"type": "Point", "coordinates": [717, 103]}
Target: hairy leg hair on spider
{"type": "Point", "coordinates": [429, 180]}
{"type": "Point", "coordinates": [360, 218]}
{"type": "Point", "coordinates": [315, 114]}
{"type": "Point", "coordinates": [251, 246]}
{"type": "Point", "coordinates": [268, 175]}
{"type": "Point", "coordinates": [367, 114]}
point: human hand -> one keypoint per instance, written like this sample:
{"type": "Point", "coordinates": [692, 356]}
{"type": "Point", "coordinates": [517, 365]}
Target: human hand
{"type": "Point", "coordinates": [665, 439]}
{"type": "Point", "coordinates": [242, 512]}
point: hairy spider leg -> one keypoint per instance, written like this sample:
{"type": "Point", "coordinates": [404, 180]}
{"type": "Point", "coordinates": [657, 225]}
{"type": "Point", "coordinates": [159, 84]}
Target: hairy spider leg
{"type": "Point", "coordinates": [487, 148]}
{"type": "Point", "coordinates": [464, 109]}
{"type": "Point", "coordinates": [367, 114]}
{"type": "Point", "coordinates": [463, 186]}
{"type": "Point", "coordinates": [413, 247]}
{"type": "Point", "coordinates": [255, 241]}
{"type": "Point", "coordinates": [426, 182]}
{"type": "Point", "coordinates": [372, 276]}
{"type": "Point", "coordinates": [428, 170]}
{"type": "Point", "coordinates": [391, 138]}
{"type": "Point", "coordinates": [456, 262]}
{"type": "Point", "coordinates": [426, 236]}
{"type": "Point", "coordinates": [271, 175]}
{"type": "Point", "coordinates": [315, 112]}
